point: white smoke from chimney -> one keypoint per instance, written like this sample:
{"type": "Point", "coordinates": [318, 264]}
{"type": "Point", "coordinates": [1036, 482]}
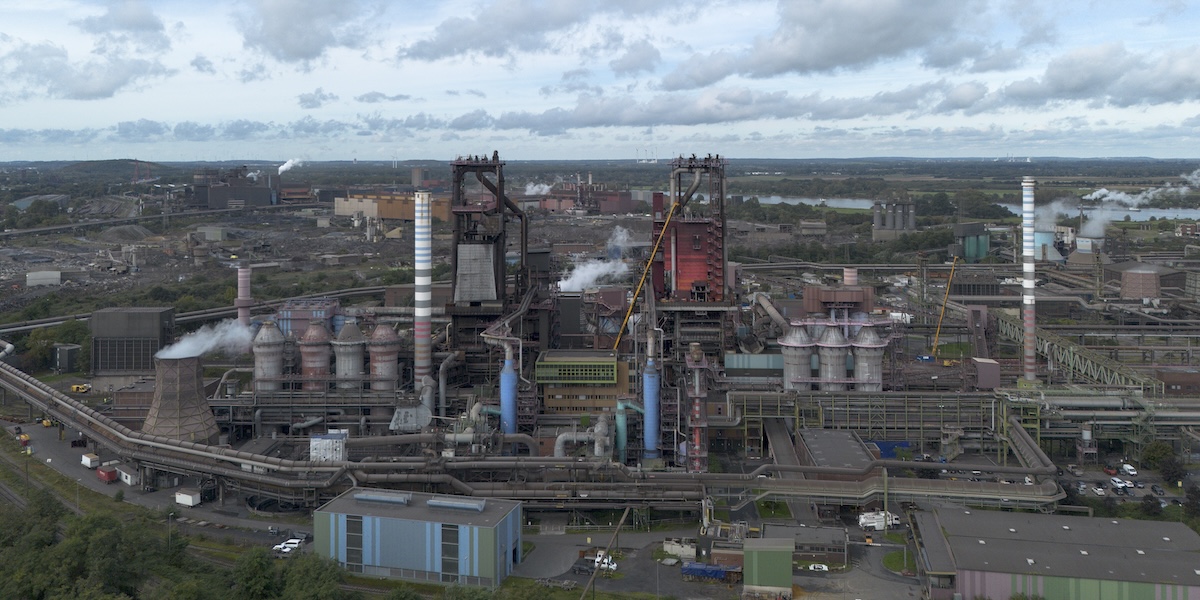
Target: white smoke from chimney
{"type": "Point", "coordinates": [253, 175]}
{"type": "Point", "coordinates": [291, 163]}
{"type": "Point", "coordinates": [229, 336]}
{"type": "Point", "coordinates": [1110, 202]}
{"type": "Point", "coordinates": [618, 242]}
{"type": "Point", "coordinates": [537, 189]}
{"type": "Point", "coordinates": [1046, 216]}
{"type": "Point", "coordinates": [591, 272]}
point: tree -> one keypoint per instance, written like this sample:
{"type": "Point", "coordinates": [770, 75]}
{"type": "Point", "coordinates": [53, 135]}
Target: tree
{"type": "Point", "coordinates": [1191, 503]}
{"type": "Point", "coordinates": [312, 577]}
{"type": "Point", "coordinates": [1155, 452]}
{"type": "Point", "coordinates": [403, 593]}
{"type": "Point", "coordinates": [1150, 506]}
{"type": "Point", "coordinates": [1171, 470]}
{"type": "Point", "coordinates": [254, 576]}
{"type": "Point", "coordinates": [460, 592]}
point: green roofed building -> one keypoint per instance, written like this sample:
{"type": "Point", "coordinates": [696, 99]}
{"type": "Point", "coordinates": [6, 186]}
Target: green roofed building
{"type": "Point", "coordinates": [414, 536]}
{"type": "Point", "coordinates": [767, 565]}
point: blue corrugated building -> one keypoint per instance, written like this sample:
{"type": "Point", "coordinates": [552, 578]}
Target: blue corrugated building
{"type": "Point", "coordinates": [421, 537]}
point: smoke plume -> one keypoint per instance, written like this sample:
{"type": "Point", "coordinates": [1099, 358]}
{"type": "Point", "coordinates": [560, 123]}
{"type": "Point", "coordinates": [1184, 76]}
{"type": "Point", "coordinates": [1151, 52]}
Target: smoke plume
{"type": "Point", "coordinates": [292, 162]}
{"type": "Point", "coordinates": [537, 189]}
{"type": "Point", "coordinates": [591, 272]}
{"type": "Point", "coordinates": [618, 242]}
{"type": "Point", "coordinates": [254, 175]}
{"type": "Point", "coordinates": [228, 336]}
{"type": "Point", "coordinates": [1046, 216]}
{"type": "Point", "coordinates": [1110, 203]}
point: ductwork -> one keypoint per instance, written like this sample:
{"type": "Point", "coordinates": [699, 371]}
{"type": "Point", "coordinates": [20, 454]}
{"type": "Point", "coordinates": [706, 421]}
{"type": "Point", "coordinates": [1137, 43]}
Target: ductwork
{"type": "Point", "coordinates": [451, 359]}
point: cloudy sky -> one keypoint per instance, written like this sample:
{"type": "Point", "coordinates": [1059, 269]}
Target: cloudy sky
{"type": "Point", "coordinates": [583, 79]}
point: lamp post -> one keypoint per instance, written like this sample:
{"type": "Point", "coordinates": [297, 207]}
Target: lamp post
{"type": "Point", "coordinates": [170, 517]}
{"type": "Point", "coordinates": [78, 484]}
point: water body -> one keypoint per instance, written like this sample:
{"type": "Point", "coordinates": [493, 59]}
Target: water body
{"type": "Point", "coordinates": [1118, 213]}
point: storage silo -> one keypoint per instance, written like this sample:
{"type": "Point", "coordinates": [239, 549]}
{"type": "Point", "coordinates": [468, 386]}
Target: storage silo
{"type": "Point", "coordinates": [314, 357]}
{"type": "Point", "coordinates": [868, 360]}
{"type": "Point", "coordinates": [797, 349]}
{"type": "Point", "coordinates": [384, 348]}
{"type": "Point", "coordinates": [348, 357]}
{"type": "Point", "coordinates": [268, 358]}
{"type": "Point", "coordinates": [833, 349]}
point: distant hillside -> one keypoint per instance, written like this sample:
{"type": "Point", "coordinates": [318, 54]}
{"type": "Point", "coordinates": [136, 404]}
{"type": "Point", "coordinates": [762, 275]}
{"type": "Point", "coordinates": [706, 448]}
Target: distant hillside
{"type": "Point", "coordinates": [120, 170]}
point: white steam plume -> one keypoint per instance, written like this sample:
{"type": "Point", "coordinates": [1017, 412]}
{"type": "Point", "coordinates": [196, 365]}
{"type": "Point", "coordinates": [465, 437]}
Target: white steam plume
{"type": "Point", "coordinates": [589, 273]}
{"type": "Point", "coordinates": [618, 242]}
{"type": "Point", "coordinates": [537, 189]}
{"type": "Point", "coordinates": [1111, 202]}
{"type": "Point", "coordinates": [292, 162]}
{"type": "Point", "coordinates": [1046, 216]}
{"type": "Point", "coordinates": [254, 175]}
{"type": "Point", "coordinates": [229, 336]}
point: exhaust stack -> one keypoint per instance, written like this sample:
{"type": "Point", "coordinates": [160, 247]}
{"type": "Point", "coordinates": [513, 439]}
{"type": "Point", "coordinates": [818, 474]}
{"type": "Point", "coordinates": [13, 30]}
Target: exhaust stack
{"type": "Point", "coordinates": [422, 316]}
{"type": "Point", "coordinates": [1027, 301]}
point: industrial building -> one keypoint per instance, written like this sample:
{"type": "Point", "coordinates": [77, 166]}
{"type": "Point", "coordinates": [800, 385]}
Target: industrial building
{"type": "Point", "coordinates": [413, 536]}
{"type": "Point", "coordinates": [498, 385]}
{"type": "Point", "coordinates": [964, 553]}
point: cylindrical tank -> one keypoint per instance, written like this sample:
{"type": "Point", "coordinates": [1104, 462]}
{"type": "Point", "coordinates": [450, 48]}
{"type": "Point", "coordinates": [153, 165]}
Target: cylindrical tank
{"type": "Point", "coordinates": [651, 384]}
{"type": "Point", "coordinates": [384, 348]}
{"type": "Point", "coordinates": [268, 358]}
{"type": "Point", "coordinates": [877, 215]}
{"type": "Point", "coordinates": [243, 302]}
{"type": "Point", "coordinates": [890, 216]}
{"type": "Point", "coordinates": [348, 356]}
{"type": "Point", "coordinates": [797, 348]}
{"type": "Point", "coordinates": [508, 397]}
{"type": "Point", "coordinates": [849, 276]}
{"type": "Point", "coordinates": [314, 357]}
{"type": "Point", "coordinates": [832, 348]}
{"type": "Point", "coordinates": [868, 360]}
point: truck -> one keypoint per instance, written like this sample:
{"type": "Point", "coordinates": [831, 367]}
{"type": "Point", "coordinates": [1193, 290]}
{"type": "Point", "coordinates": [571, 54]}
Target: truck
{"type": "Point", "coordinates": [107, 474]}
{"type": "Point", "coordinates": [697, 571]}
{"type": "Point", "coordinates": [877, 520]}
{"type": "Point", "coordinates": [81, 388]}
{"type": "Point", "coordinates": [90, 461]}
{"type": "Point", "coordinates": [187, 497]}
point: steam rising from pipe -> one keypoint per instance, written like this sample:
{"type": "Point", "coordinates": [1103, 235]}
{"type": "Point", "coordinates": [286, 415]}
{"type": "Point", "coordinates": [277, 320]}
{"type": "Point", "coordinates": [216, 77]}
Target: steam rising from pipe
{"type": "Point", "coordinates": [229, 336]}
{"type": "Point", "coordinates": [291, 163]}
{"type": "Point", "coordinates": [586, 275]}
{"type": "Point", "coordinates": [537, 189]}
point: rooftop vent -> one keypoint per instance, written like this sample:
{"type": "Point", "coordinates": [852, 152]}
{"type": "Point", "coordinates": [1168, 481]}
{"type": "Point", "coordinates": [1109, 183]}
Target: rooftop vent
{"type": "Point", "coordinates": [982, 542]}
{"type": "Point", "coordinates": [1030, 561]}
{"type": "Point", "coordinates": [475, 505]}
{"type": "Point", "coordinates": [1066, 527]}
{"type": "Point", "coordinates": [1141, 551]}
{"type": "Point", "coordinates": [1011, 530]}
{"type": "Point", "coordinates": [404, 499]}
{"type": "Point", "coordinates": [1083, 552]}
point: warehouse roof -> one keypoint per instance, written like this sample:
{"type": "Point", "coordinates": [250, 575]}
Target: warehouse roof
{"type": "Point", "coordinates": [835, 448]}
{"type": "Point", "coordinates": [419, 506]}
{"type": "Point", "coordinates": [1067, 546]}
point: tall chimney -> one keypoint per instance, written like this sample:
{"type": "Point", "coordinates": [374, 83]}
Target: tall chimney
{"type": "Point", "coordinates": [180, 409]}
{"type": "Point", "coordinates": [1027, 285]}
{"type": "Point", "coordinates": [243, 301]}
{"type": "Point", "coordinates": [423, 239]}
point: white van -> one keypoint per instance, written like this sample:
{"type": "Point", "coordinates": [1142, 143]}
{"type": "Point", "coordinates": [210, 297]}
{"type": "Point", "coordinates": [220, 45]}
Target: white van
{"type": "Point", "coordinates": [1129, 470]}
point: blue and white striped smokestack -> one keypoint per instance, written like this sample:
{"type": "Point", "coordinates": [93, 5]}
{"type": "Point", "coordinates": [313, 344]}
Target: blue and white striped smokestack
{"type": "Point", "coordinates": [1029, 316]}
{"type": "Point", "coordinates": [651, 381]}
{"type": "Point", "coordinates": [422, 316]}
{"type": "Point", "coordinates": [508, 394]}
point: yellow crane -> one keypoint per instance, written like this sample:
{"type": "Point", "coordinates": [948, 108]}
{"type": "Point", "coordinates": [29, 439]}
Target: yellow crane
{"type": "Point", "coordinates": [645, 271]}
{"type": "Point", "coordinates": [945, 299]}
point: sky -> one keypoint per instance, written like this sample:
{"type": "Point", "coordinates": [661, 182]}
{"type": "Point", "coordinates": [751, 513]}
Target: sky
{"type": "Point", "coordinates": [178, 80]}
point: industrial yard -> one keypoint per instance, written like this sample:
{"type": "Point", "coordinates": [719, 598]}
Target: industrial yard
{"type": "Point", "coordinates": [555, 358]}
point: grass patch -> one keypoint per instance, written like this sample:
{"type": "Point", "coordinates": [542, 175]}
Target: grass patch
{"type": "Point", "coordinates": [526, 548]}
{"type": "Point", "coordinates": [520, 587]}
{"type": "Point", "coordinates": [894, 561]}
{"type": "Point", "coordinates": [773, 509]}
{"type": "Point", "coordinates": [896, 538]}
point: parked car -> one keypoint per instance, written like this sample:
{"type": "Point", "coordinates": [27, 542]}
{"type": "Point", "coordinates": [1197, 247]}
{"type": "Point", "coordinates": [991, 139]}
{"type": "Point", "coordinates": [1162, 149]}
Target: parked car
{"type": "Point", "coordinates": [288, 546]}
{"type": "Point", "coordinates": [1139, 485]}
{"type": "Point", "coordinates": [818, 567]}
{"type": "Point", "coordinates": [1117, 482]}
{"type": "Point", "coordinates": [1098, 491]}
{"type": "Point", "coordinates": [1157, 489]}
{"type": "Point", "coordinates": [1110, 470]}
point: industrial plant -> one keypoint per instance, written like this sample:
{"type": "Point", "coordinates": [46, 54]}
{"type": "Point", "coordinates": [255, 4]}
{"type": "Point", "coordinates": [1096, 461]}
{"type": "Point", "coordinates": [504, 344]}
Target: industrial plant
{"type": "Point", "coordinates": [502, 390]}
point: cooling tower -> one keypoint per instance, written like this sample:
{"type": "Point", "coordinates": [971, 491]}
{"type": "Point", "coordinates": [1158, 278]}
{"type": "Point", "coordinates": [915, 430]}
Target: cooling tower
{"type": "Point", "coordinates": [384, 347]}
{"type": "Point", "coordinates": [868, 360]}
{"type": "Point", "coordinates": [180, 410]}
{"type": "Point", "coordinates": [268, 358]}
{"type": "Point", "coordinates": [348, 357]}
{"type": "Point", "coordinates": [314, 357]}
{"type": "Point", "coordinates": [833, 349]}
{"type": "Point", "coordinates": [797, 349]}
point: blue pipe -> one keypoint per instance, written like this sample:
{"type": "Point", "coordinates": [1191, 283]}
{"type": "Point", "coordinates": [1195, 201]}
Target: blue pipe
{"type": "Point", "coordinates": [651, 381]}
{"type": "Point", "coordinates": [508, 398]}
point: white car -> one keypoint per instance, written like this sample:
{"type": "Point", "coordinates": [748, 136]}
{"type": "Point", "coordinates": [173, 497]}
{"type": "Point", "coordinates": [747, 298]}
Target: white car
{"type": "Point", "coordinates": [1099, 491]}
{"type": "Point", "coordinates": [818, 567]}
{"type": "Point", "coordinates": [287, 546]}
{"type": "Point", "coordinates": [1117, 482]}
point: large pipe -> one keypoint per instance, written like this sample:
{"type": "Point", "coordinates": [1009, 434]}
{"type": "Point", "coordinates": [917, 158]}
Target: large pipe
{"type": "Point", "coordinates": [423, 295]}
{"type": "Point", "coordinates": [571, 437]}
{"type": "Point", "coordinates": [765, 302]}
{"type": "Point", "coordinates": [651, 384]}
{"type": "Point", "coordinates": [443, 372]}
{"type": "Point", "coordinates": [1028, 313]}
{"type": "Point", "coordinates": [601, 443]}
{"type": "Point", "coordinates": [508, 393]}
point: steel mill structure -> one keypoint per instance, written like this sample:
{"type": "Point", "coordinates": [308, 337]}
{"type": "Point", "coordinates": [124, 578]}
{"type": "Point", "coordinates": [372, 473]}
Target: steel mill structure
{"type": "Point", "coordinates": [497, 384]}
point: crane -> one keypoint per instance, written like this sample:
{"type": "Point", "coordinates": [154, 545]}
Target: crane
{"type": "Point", "coordinates": [945, 300]}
